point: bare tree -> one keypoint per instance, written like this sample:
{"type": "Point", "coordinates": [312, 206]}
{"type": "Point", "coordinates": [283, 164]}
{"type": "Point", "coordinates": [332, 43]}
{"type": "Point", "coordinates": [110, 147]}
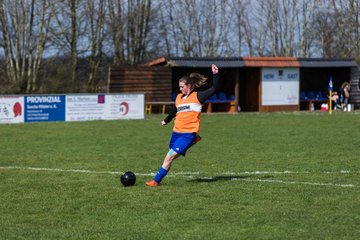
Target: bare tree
{"type": "Point", "coordinates": [130, 23]}
{"type": "Point", "coordinates": [346, 16]}
{"type": "Point", "coordinates": [324, 26]}
{"type": "Point", "coordinates": [116, 22]}
{"type": "Point", "coordinates": [305, 29]}
{"type": "Point", "coordinates": [218, 21]}
{"type": "Point", "coordinates": [243, 29]}
{"type": "Point", "coordinates": [277, 26]}
{"type": "Point", "coordinates": [164, 30]}
{"type": "Point", "coordinates": [356, 28]}
{"type": "Point", "coordinates": [95, 12]}
{"type": "Point", "coordinates": [73, 45]}
{"type": "Point", "coordinates": [68, 34]}
{"type": "Point", "coordinates": [290, 14]}
{"type": "Point", "coordinates": [336, 24]}
{"type": "Point", "coordinates": [273, 27]}
{"type": "Point", "coordinates": [174, 42]}
{"type": "Point", "coordinates": [24, 26]}
{"type": "Point", "coordinates": [192, 32]}
{"type": "Point", "coordinates": [340, 24]}
{"type": "Point", "coordinates": [259, 23]}
{"type": "Point", "coordinates": [179, 38]}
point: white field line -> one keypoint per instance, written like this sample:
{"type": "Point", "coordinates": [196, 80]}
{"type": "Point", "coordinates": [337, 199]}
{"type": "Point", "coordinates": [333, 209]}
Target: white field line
{"type": "Point", "coordinates": [69, 170]}
{"type": "Point", "coordinates": [192, 175]}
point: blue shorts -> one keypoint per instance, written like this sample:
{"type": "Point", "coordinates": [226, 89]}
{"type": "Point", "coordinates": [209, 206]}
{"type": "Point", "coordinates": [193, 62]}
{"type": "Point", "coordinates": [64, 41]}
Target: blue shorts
{"type": "Point", "coordinates": [181, 142]}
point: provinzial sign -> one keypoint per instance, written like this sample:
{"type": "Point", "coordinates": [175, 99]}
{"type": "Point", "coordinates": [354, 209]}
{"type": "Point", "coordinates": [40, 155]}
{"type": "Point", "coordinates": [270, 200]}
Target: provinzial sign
{"type": "Point", "coordinates": [45, 108]}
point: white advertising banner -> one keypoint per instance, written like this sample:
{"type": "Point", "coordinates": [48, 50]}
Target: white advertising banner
{"type": "Point", "coordinates": [125, 106]}
{"type": "Point", "coordinates": [11, 109]}
{"type": "Point", "coordinates": [84, 107]}
{"type": "Point", "coordinates": [104, 107]}
{"type": "Point", "coordinates": [280, 86]}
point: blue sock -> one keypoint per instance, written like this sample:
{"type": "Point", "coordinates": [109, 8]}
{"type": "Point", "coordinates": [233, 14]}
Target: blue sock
{"type": "Point", "coordinates": [160, 175]}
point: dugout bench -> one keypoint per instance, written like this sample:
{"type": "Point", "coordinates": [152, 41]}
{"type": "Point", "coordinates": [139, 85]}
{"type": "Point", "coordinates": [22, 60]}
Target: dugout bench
{"type": "Point", "coordinates": [160, 105]}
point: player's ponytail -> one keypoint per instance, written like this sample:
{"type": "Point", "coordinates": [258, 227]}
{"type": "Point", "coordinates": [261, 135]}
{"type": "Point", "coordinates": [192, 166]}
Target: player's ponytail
{"type": "Point", "coordinates": [195, 79]}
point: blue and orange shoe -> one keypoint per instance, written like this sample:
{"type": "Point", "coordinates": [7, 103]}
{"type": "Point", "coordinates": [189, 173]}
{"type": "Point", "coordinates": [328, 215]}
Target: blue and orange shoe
{"type": "Point", "coordinates": [152, 183]}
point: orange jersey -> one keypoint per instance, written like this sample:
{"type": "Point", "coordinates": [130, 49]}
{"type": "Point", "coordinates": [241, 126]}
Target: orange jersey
{"type": "Point", "coordinates": [188, 114]}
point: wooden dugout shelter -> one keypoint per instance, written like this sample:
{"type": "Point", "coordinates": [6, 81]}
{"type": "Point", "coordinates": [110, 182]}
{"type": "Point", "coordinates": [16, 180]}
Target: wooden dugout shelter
{"type": "Point", "coordinates": [262, 84]}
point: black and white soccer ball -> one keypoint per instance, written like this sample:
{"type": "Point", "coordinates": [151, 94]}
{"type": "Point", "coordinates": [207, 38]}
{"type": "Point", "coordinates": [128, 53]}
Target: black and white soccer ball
{"type": "Point", "coordinates": [128, 179]}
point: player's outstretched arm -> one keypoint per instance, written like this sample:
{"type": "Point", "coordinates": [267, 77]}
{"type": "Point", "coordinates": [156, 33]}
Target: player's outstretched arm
{"type": "Point", "coordinates": [170, 116]}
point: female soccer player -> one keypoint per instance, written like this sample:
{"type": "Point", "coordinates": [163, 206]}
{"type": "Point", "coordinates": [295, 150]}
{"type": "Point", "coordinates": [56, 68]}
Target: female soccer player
{"type": "Point", "coordinates": [188, 105]}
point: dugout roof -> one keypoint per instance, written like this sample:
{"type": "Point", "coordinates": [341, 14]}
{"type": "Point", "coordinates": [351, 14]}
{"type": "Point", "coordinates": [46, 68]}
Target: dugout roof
{"type": "Point", "coordinates": [239, 62]}
{"type": "Point", "coordinates": [327, 62]}
{"type": "Point", "coordinates": [196, 62]}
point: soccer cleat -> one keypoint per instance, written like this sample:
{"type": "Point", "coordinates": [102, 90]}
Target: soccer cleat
{"type": "Point", "coordinates": [197, 139]}
{"type": "Point", "coordinates": [152, 183]}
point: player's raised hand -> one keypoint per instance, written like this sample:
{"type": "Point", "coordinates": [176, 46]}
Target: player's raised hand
{"type": "Point", "coordinates": [214, 69]}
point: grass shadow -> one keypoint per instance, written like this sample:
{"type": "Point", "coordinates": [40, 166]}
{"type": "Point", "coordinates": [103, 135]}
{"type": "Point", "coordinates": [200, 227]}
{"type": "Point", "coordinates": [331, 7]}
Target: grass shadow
{"type": "Point", "coordinates": [225, 178]}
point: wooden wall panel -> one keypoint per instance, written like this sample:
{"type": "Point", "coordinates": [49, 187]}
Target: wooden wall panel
{"type": "Point", "coordinates": [252, 89]}
{"type": "Point", "coordinates": [155, 82]}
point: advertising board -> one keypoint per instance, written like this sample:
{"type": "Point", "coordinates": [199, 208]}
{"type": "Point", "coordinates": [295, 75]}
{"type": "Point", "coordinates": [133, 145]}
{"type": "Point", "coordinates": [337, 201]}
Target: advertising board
{"type": "Point", "coordinates": [71, 107]}
{"type": "Point", "coordinates": [280, 86]}
{"type": "Point", "coordinates": [11, 109]}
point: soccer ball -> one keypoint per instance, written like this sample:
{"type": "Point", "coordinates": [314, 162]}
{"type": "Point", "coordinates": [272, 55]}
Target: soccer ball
{"type": "Point", "coordinates": [128, 179]}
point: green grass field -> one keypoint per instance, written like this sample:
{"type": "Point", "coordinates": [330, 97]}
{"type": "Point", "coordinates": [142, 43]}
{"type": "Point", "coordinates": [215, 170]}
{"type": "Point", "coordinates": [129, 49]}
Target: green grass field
{"type": "Point", "coordinates": [253, 176]}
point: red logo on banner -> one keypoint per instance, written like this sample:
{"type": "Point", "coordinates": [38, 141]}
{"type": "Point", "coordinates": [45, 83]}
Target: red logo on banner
{"type": "Point", "coordinates": [17, 109]}
{"type": "Point", "coordinates": [124, 108]}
